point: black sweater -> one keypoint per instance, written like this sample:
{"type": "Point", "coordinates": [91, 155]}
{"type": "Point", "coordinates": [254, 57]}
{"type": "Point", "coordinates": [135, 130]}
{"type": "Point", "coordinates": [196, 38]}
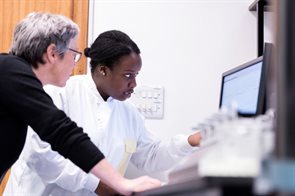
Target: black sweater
{"type": "Point", "coordinates": [23, 102]}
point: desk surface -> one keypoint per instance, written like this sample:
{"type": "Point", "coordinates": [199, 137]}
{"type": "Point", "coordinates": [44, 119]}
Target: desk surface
{"type": "Point", "coordinates": [226, 186]}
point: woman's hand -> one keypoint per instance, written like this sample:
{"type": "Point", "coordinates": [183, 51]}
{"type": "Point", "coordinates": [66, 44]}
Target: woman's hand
{"type": "Point", "coordinates": [134, 185]}
{"type": "Point", "coordinates": [142, 183]}
{"type": "Point", "coordinates": [110, 177]}
{"type": "Point", "coordinates": [195, 139]}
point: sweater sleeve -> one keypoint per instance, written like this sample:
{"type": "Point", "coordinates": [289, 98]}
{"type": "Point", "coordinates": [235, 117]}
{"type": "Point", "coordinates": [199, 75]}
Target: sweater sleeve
{"type": "Point", "coordinates": [28, 101]}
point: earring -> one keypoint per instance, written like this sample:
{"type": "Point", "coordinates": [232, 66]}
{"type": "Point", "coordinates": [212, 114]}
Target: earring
{"type": "Point", "coordinates": [103, 73]}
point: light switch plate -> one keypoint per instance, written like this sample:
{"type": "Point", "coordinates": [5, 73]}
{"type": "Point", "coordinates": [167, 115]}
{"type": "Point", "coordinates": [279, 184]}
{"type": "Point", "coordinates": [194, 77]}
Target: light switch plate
{"type": "Point", "coordinates": [149, 101]}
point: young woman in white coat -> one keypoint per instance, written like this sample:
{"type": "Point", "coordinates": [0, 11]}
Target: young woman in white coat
{"type": "Point", "coordinates": [97, 102]}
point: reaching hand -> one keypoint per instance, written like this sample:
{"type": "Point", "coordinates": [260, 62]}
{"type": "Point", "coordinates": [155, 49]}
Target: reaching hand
{"type": "Point", "coordinates": [142, 183]}
{"type": "Point", "coordinates": [118, 184]}
{"type": "Point", "coordinates": [135, 185]}
{"type": "Point", "coordinates": [195, 139]}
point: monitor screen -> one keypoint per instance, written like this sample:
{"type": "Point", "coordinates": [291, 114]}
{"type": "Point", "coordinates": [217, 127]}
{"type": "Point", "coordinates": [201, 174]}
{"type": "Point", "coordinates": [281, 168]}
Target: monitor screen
{"type": "Point", "coordinates": [242, 88]}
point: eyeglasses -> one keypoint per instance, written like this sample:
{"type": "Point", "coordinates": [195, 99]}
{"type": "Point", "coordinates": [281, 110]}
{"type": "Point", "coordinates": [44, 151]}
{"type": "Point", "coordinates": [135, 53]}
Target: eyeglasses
{"type": "Point", "coordinates": [77, 56]}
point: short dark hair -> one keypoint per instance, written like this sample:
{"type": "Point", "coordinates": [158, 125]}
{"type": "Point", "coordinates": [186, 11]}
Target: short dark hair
{"type": "Point", "coordinates": [109, 47]}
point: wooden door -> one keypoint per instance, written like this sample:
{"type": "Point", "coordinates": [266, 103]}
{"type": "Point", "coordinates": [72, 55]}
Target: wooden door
{"type": "Point", "coordinates": [12, 11]}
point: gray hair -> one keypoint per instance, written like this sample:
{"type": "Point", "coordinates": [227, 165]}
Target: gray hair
{"type": "Point", "coordinates": [37, 31]}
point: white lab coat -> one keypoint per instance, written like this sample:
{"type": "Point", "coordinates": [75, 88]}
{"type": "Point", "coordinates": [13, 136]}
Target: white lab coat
{"type": "Point", "coordinates": [116, 127]}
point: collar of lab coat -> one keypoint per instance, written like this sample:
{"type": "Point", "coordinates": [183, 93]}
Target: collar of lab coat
{"type": "Point", "coordinates": [94, 90]}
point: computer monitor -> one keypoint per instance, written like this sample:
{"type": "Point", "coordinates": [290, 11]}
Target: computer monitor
{"type": "Point", "coordinates": [243, 88]}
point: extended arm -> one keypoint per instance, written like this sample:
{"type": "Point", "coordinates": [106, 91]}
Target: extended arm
{"type": "Point", "coordinates": [155, 155]}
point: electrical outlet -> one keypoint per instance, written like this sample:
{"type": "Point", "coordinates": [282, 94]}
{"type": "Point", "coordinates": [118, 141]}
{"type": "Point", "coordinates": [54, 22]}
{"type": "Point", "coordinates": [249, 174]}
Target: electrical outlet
{"type": "Point", "coordinates": [149, 101]}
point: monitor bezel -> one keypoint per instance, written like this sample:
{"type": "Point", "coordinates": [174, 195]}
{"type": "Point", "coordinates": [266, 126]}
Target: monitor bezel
{"type": "Point", "coordinates": [262, 87]}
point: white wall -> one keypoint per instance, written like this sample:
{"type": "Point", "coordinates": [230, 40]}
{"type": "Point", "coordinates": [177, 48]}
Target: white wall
{"type": "Point", "coordinates": [185, 46]}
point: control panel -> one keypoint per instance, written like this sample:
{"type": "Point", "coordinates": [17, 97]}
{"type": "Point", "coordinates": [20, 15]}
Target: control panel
{"type": "Point", "coordinates": [149, 101]}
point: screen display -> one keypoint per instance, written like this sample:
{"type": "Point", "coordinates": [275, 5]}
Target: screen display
{"type": "Point", "coordinates": [240, 89]}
